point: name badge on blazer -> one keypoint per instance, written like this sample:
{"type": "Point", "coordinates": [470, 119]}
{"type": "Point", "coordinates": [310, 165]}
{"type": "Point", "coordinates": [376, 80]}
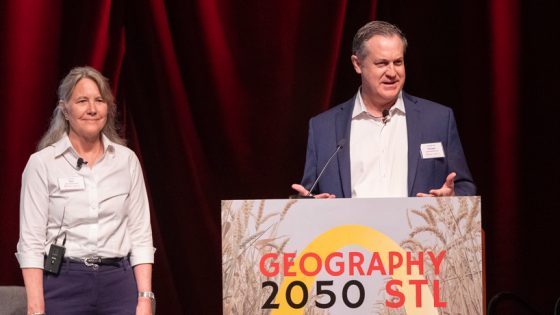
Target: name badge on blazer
{"type": "Point", "coordinates": [432, 150]}
{"type": "Point", "coordinates": [71, 183]}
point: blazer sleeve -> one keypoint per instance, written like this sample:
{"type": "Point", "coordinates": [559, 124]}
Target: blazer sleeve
{"type": "Point", "coordinates": [310, 170]}
{"type": "Point", "coordinates": [464, 184]}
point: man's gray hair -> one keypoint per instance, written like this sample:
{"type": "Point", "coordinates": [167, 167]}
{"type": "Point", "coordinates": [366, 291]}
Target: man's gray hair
{"type": "Point", "coordinates": [371, 29]}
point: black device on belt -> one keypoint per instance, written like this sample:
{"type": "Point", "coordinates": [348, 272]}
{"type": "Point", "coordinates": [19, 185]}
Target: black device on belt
{"type": "Point", "coordinates": [56, 252]}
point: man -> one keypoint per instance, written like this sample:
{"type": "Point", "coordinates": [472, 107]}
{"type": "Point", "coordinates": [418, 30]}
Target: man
{"type": "Point", "coordinates": [391, 144]}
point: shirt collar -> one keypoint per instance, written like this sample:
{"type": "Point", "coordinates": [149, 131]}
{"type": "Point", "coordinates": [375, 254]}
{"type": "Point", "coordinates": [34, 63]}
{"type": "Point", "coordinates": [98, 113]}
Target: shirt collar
{"type": "Point", "coordinates": [108, 145]}
{"type": "Point", "coordinates": [360, 108]}
{"type": "Point", "coordinates": [64, 145]}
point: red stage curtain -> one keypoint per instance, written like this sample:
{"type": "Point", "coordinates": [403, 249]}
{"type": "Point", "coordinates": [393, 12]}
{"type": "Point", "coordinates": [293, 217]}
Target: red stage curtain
{"type": "Point", "coordinates": [214, 97]}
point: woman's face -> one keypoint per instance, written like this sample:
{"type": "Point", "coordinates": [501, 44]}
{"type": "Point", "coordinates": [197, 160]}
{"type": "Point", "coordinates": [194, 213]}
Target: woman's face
{"type": "Point", "coordinates": [86, 111]}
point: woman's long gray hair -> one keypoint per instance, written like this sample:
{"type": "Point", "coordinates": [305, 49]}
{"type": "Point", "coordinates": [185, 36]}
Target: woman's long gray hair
{"type": "Point", "coordinates": [59, 125]}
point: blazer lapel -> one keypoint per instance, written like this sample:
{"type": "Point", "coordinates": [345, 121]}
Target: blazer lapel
{"type": "Point", "coordinates": [343, 123]}
{"type": "Point", "coordinates": [413, 130]}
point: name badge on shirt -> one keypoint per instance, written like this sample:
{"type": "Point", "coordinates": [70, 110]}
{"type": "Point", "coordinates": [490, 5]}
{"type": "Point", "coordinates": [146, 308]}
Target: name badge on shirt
{"type": "Point", "coordinates": [432, 150]}
{"type": "Point", "coordinates": [71, 183]}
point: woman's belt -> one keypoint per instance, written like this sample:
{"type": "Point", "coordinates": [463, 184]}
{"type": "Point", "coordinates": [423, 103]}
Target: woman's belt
{"type": "Point", "coordinates": [95, 260]}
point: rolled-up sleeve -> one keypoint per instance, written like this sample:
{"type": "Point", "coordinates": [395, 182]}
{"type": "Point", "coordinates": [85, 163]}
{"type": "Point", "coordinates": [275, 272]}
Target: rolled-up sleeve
{"type": "Point", "coordinates": [34, 202]}
{"type": "Point", "coordinates": [142, 250]}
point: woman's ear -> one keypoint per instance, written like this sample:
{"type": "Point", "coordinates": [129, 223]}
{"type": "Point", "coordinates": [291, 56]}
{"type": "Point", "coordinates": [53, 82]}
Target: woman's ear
{"type": "Point", "coordinates": [63, 109]}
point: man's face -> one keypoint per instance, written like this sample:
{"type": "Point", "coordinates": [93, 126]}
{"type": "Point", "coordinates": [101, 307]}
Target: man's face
{"type": "Point", "coordinates": [382, 69]}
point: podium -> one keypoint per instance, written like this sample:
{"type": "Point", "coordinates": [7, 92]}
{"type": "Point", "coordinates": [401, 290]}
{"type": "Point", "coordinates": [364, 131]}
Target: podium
{"type": "Point", "coordinates": [414, 256]}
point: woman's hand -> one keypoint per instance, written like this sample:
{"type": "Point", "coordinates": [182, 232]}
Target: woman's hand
{"type": "Point", "coordinates": [144, 306]}
{"type": "Point", "coordinates": [33, 279]}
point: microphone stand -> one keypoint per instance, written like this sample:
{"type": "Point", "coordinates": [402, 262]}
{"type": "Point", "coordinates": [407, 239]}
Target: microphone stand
{"type": "Point", "coordinates": [309, 195]}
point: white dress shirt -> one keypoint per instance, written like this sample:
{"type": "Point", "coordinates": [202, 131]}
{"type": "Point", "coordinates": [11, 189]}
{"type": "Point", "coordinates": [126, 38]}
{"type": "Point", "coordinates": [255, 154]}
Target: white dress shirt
{"type": "Point", "coordinates": [103, 210]}
{"type": "Point", "coordinates": [379, 152]}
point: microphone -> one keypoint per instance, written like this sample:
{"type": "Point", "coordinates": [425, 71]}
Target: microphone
{"type": "Point", "coordinates": [80, 163]}
{"type": "Point", "coordinates": [385, 115]}
{"type": "Point", "coordinates": [339, 146]}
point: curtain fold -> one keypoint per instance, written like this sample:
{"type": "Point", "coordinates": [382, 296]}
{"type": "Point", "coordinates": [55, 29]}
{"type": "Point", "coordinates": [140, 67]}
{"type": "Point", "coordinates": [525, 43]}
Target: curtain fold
{"type": "Point", "coordinates": [505, 48]}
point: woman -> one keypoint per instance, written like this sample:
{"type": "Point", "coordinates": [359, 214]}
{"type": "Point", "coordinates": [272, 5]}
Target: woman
{"type": "Point", "coordinates": [83, 198]}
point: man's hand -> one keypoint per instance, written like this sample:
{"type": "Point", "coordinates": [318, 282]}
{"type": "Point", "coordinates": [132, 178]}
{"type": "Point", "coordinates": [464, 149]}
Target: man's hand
{"type": "Point", "coordinates": [304, 192]}
{"type": "Point", "coordinates": [446, 190]}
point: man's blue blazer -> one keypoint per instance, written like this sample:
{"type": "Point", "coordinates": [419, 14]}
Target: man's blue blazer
{"type": "Point", "coordinates": [426, 121]}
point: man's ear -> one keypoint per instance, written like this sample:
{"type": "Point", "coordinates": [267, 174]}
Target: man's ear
{"type": "Point", "coordinates": [356, 64]}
